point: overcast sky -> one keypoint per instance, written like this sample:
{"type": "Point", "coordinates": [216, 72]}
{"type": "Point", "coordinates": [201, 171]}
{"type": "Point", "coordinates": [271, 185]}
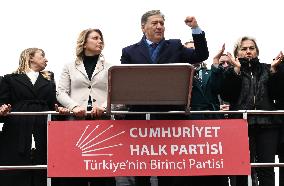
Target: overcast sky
{"type": "Point", "coordinates": [54, 25]}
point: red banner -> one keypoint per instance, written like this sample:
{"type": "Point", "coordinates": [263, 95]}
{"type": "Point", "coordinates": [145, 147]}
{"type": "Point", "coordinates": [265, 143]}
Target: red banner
{"type": "Point", "coordinates": [103, 148]}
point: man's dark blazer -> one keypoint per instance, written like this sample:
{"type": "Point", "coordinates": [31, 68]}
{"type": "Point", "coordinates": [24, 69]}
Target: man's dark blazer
{"type": "Point", "coordinates": [171, 51]}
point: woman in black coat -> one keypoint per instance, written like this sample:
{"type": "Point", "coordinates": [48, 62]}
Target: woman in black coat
{"type": "Point", "coordinates": [28, 89]}
{"type": "Point", "coordinates": [247, 86]}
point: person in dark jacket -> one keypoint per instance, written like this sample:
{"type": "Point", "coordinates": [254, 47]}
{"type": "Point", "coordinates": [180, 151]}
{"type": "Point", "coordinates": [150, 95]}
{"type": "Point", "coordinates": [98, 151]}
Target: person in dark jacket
{"type": "Point", "coordinates": [224, 62]}
{"type": "Point", "coordinates": [278, 93]}
{"type": "Point", "coordinates": [1, 122]}
{"type": "Point", "coordinates": [247, 87]}
{"type": "Point", "coordinates": [207, 85]}
{"type": "Point", "coordinates": [206, 88]}
{"type": "Point", "coordinates": [28, 89]}
{"type": "Point", "coordinates": [153, 48]}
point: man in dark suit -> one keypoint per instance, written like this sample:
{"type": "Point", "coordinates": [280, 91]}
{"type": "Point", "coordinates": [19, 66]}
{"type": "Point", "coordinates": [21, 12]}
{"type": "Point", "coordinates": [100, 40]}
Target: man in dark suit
{"type": "Point", "coordinates": [155, 49]}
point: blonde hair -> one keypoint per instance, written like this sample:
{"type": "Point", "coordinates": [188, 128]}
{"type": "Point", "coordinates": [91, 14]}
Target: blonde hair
{"type": "Point", "coordinates": [24, 62]}
{"type": "Point", "coordinates": [238, 44]}
{"type": "Point", "coordinates": [82, 39]}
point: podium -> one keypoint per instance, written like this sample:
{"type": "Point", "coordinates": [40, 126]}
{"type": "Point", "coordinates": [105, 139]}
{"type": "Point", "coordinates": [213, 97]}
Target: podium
{"type": "Point", "coordinates": [155, 84]}
{"type": "Point", "coordinates": [169, 147]}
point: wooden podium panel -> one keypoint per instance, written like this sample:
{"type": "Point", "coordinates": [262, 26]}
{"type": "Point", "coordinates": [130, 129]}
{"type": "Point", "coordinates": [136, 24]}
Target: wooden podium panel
{"type": "Point", "coordinates": [167, 84]}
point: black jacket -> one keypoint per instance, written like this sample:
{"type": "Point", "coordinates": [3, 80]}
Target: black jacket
{"type": "Point", "coordinates": [205, 91]}
{"type": "Point", "coordinates": [277, 89]}
{"type": "Point", "coordinates": [171, 51]}
{"type": "Point", "coordinates": [250, 90]}
{"type": "Point", "coordinates": [17, 90]}
{"type": "Point", "coordinates": [278, 95]}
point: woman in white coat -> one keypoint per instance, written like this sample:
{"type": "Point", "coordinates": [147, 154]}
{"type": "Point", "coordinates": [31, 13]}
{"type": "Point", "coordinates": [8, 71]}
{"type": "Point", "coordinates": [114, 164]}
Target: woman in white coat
{"type": "Point", "coordinates": [83, 87]}
{"type": "Point", "coordinates": [83, 83]}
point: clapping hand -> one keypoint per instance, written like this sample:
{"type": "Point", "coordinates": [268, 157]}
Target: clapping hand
{"type": "Point", "coordinates": [276, 61]}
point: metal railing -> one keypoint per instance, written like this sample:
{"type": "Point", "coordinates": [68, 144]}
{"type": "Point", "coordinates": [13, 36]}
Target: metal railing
{"type": "Point", "coordinates": [257, 112]}
{"type": "Point", "coordinates": [112, 113]}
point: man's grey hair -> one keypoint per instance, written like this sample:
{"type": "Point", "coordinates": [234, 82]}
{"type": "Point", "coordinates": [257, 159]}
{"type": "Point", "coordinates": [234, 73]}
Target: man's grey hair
{"type": "Point", "coordinates": [238, 44]}
{"type": "Point", "coordinates": [145, 16]}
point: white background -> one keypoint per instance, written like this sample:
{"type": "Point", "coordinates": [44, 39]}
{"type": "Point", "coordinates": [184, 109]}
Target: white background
{"type": "Point", "coordinates": [54, 25]}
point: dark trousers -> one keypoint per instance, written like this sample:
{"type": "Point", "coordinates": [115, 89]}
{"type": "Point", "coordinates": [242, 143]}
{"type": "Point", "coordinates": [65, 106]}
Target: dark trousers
{"type": "Point", "coordinates": [281, 160]}
{"type": "Point", "coordinates": [83, 181]}
{"type": "Point", "coordinates": [162, 180]}
{"type": "Point", "coordinates": [281, 155]}
{"type": "Point", "coordinates": [23, 177]}
{"type": "Point", "coordinates": [142, 181]}
{"type": "Point", "coordinates": [184, 181]}
{"type": "Point", "coordinates": [10, 155]}
{"type": "Point", "coordinates": [201, 181]}
{"type": "Point", "coordinates": [263, 147]}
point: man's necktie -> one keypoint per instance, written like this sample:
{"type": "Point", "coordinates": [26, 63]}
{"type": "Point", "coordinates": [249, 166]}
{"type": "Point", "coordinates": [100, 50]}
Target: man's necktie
{"type": "Point", "coordinates": [153, 54]}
